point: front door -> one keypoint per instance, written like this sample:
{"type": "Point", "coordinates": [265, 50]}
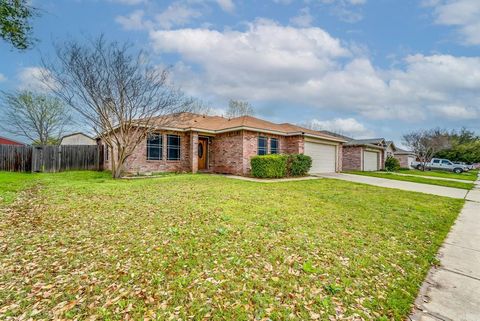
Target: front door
{"type": "Point", "coordinates": [202, 153]}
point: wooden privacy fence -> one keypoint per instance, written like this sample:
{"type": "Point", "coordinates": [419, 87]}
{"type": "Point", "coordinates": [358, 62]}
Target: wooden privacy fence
{"type": "Point", "coordinates": [50, 158]}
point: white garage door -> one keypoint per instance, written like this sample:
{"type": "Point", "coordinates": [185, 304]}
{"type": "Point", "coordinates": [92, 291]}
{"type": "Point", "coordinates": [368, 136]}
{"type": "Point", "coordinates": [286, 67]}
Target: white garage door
{"type": "Point", "coordinates": [323, 157]}
{"type": "Point", "coordinates": [370, 161]}
{"type": "Point", "coordinates": [410, 160]}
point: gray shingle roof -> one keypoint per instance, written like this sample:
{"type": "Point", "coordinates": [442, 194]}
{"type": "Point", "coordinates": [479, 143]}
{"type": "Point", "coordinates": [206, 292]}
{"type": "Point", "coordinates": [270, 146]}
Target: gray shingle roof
{"type": "Point", "coordinates": [400, 151]}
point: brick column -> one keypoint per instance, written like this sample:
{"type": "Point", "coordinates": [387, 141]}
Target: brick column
{"type": "Point", "coordinates": [194, 151]}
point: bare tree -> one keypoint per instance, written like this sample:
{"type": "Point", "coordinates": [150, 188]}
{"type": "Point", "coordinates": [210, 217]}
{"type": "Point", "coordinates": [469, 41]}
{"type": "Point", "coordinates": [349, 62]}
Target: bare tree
{"type": "Point", "coordinates": [38, 117]}
{"type": "Point", "coordinates": [237, 108]}
{"type": "Point", "coordinates": [315, 125]}
{"type": "Point", "coordinates": [117, 91]}
{"type": "Point", "coordinates": [426, 143]}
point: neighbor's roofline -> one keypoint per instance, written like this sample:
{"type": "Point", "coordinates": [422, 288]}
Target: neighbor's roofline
{"type": "Point", "coordinates": [77, 133]}
{"type": "Point", "coordinates": [12, 140]}
{"type": "Point", "coordinates": [365, 145]}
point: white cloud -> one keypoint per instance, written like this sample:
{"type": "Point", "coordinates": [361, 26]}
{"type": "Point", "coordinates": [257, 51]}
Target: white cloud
{"type": "Point", "coordinates": [129, 2]}
{"type": "Point", "coordinates": [303, 19]}
{"type": "Point", "coordinates": [344, 126]}
{"type": "Point", "coordinates": [345, 10]}
{"type": "Point", "coordinates": [463, 14]}
{"type": "Point", "coordinates": [284, 2]}
{"type": "Point", "coordinates": [31, 78]}
{"type": "Point", "coordinates": [226, 5]}
{"type": "Point", "coordinates": [2, 77]}
{"type": "Point", "coordinates": [177, 14]}
{"type": "Point", "coordinates": [134, 21]}
{"type": "Point", "coordinates": [456, 112]}
{"type": "Point", "coordinates": [272, 63]}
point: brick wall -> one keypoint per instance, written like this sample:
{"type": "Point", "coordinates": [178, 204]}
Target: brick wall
{"type": "Point", "coordinates": [403, 159]}
{"type": "Point", "coordinates": [287, 145]}
{"type": "Point", "coordinates": [382, 159]}
{"type": "Point", "coordinates": [352, 158]}
{"type": "Point", "coordinates": [339, 158]}
{"type": "Point", "coordinates": [138, 163]}
{"type": "Point", "coordinates": [226, 153]}
{"type": "Point", "coordinates": [293, 145]}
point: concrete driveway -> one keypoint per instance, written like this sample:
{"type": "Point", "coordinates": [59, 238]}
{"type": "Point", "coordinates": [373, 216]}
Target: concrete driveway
{"type": "Point", "coordinates": [406, 186]}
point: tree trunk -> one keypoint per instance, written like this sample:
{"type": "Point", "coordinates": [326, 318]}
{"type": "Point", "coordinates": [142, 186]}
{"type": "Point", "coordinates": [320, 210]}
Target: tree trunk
{"type": "Point", "coordinates": [118, 165]}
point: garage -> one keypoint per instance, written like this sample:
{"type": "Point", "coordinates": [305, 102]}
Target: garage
{"type": "Point", "coordinates": [370, 161]}
{"type": "Point", "coordinates": [324, 157]}
{"type": "Point", "coordinates": [410, 160]}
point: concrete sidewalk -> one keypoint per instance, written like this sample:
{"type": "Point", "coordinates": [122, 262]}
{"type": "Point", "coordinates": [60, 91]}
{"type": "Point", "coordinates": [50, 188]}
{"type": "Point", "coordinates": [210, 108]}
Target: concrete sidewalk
{"type": "Point", "coordinates": [452, 291]}
{"type": "Point", "coordinates": [406, 186]}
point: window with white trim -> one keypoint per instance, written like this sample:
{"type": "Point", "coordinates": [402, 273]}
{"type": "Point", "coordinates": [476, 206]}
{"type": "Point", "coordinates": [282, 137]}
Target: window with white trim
{"type": "Point", "coordinates": [262, 145]}
{"type": "Point", "coordinates": [154, 147]}
{"type": "Point", "coordinates": [273, 146]}
{"type": "Point", "coordinates": [173, 147]}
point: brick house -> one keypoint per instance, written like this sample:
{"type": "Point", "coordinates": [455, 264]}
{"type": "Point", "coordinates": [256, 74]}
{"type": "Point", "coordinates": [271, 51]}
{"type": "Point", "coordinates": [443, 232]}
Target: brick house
{"type": "Point", "coordinates": [187, 142]}
{"type": "Point", "coordinates": [405, 157]}
{"type": "Point", "coordinates": [364, 154]}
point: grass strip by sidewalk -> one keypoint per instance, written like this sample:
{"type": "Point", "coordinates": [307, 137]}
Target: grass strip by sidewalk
{"type": "Point", "coordinates": [414, 179]}
{"type": "Point", "coordinates": [468, 176]}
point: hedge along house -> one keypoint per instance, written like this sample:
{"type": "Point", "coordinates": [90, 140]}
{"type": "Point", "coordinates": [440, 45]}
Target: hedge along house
{"type": "Point", "coordinates": [364, 154]}
{"type": "Point", "coordinates": [187, 142]}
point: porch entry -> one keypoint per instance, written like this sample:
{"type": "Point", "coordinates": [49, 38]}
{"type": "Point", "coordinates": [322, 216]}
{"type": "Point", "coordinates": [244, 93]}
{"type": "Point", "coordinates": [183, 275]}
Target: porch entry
{"type": "Point", "coordinates": [202, 153]}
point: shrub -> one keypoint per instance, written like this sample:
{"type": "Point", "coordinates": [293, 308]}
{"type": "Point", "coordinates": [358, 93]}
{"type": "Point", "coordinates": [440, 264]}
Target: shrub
{"type": "Point", "coordinates": [269, 166]}
{"type": "Point", "coordinates": [299, 164]}
{"type": "Point", "coordinates": [392, 164]}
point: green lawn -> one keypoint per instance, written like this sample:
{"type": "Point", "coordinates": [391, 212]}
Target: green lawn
{"type": "Point", "coordinates": [415, 179]}
{"type": "Point", "coordinates": [79, 244]}
{"type": "Point", "coordinates": [468, 176]}
{"type": "Point", "coordinates": [11, 183]}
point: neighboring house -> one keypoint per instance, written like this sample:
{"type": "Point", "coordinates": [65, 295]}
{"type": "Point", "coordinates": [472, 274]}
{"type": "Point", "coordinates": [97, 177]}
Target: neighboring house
{"type": "Point", "coordinates": [77, 139]}
{"type": "Point", "coordinates": [405, 157]}
{"type": "Point", "coordinates": [187, 142]}
{"type": "Point", "coordinates": [364, 154]}
{"type": "Point", "coordinates": [8, 141]}
{"type": "Point", "coordinates": [390, 149]}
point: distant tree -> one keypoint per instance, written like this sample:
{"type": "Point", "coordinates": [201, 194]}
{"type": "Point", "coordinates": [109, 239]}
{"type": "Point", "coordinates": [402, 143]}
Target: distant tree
{"type": "Point", "coordinates": [119, 93]}
{"type": "Point", "coordinates": [465, 147]}
{"type": "Point", "coordinates": [38, 117]}
{"type": "Point", "coordinates": [315, 125]}
{"type": "Point", "coordinates": [237, 108]}
{"type": "Point", "coordinates": [426, 143]}
{"type": "Point", "coordinates": [15, 26]}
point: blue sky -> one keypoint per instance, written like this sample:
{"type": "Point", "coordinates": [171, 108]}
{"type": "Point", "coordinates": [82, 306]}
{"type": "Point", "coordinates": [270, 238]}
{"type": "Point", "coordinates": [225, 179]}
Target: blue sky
{"type": "Point", "coordinates": [360, 67]}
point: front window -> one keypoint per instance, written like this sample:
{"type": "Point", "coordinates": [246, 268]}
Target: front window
{"type": "Point", "coordinates": [173, 147]}
{"type": "Point", "coordinates": [262, 145]}
{"type": "Point", "coordinates": [154, 147]}
{"type": "Point", "coordinates": [273, 146]}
